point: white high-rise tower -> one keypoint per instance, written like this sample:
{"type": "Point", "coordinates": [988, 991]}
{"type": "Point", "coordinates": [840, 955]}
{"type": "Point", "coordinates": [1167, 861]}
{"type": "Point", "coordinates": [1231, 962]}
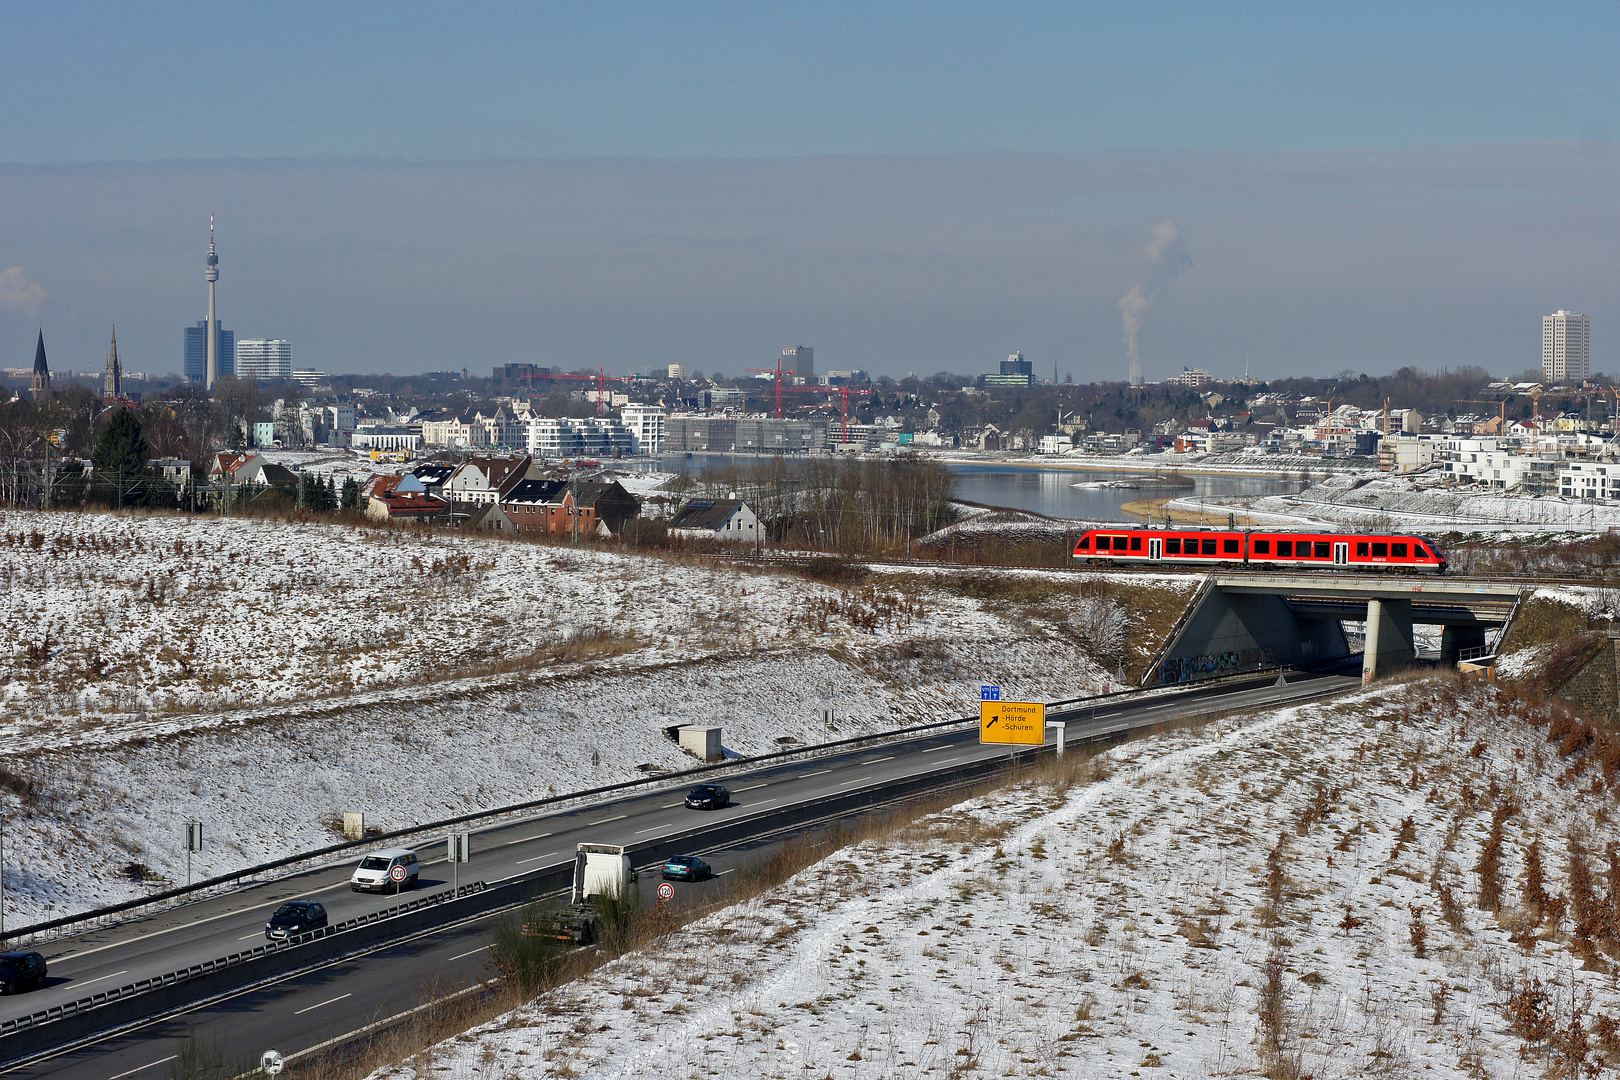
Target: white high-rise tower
{"type": "Point", "coordinates": [212, 277]}
{"type": "Point", "coordinates": [1566, 348]}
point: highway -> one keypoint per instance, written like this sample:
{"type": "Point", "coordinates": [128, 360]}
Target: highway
{"type": "Point", "coordinates": [304, 1010]}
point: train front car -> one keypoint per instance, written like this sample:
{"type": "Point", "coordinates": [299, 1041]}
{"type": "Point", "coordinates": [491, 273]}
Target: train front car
{"type": "Point", "coordinates": [1436, 562]}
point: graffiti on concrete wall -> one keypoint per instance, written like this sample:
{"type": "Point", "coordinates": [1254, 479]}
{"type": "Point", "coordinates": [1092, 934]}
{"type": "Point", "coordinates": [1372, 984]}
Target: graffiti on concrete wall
{"type": "Point", "coordinates": [1208, 665]}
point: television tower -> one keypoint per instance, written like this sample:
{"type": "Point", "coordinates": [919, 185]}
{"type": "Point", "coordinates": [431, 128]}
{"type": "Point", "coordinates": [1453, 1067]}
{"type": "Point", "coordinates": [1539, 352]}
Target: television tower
{"type": "Point", "coordinates": [212, 277]}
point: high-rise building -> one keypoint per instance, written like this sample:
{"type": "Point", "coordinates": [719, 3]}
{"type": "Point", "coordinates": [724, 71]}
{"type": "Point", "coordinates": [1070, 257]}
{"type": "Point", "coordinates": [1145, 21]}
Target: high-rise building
{"type": "Point", "coordinates": [800, 362]}
{"type": "Point", "coordinates": [646, 426]}
{"type": "Point", "coordinates": [1015, 371]}
{"type": "Point", "coordinates": [112, 381]}
{"type": "Point", "coordinates": [1566, 347]}
{"type": "Point", "coordinates": [265, 359]}
{"type": "Point", "coordinates": [211, 337]}
{"type": "Point", "coordinates": [196, 356]}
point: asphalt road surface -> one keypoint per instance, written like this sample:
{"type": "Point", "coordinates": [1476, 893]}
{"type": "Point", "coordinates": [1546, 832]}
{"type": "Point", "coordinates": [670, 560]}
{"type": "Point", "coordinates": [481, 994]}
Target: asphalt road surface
{"type": "Point", "coordinates": [305, 1010]}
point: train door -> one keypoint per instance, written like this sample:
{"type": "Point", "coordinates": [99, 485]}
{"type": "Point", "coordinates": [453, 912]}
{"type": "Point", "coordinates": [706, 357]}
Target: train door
{"type": "Point", "coordinates": [1341, 554]}
{"type": "Point", "coordinates": [1155, 548]}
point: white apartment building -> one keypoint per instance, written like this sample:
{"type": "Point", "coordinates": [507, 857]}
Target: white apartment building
{"type": "Point", "coordinates": [564, 437]}
{"type": "Point", "coordinates": [1590, 480]}
{"type": "Point", "coordinates": [1566, 348]}
{"type": "Point", "coordinates": [646, 426]}
{"type": "Point", "coordinates": [264, 359]}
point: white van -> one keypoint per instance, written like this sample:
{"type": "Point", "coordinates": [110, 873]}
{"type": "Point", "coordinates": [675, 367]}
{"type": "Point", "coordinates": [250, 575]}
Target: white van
{"type": "Point", "coordinates": [385, 870]}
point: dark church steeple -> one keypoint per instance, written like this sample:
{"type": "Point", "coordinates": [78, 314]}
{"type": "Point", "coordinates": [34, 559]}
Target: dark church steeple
{"type": "Point", "coordinates": [41, 386]}
{"type": "Point", "coordinates": [112, 383]}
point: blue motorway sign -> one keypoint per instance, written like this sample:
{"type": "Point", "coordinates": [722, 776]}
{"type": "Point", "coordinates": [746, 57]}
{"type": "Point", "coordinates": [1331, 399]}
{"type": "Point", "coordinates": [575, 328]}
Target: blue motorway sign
{"type": "Point", "coordinates": [989, 693]}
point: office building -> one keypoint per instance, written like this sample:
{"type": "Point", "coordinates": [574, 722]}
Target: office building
{"type": "Point", "coordinates": [1015, 371]}
{"type": "Point", "coordinates": [646, 426]}
{"type": "Point", "coordinates": [196, 353]}
{"type": "Point", "coordinates": [1566, 348]}
{"type": "Point", "coordinates": [800, 362]}
{"type": "Point", "coordinates": [265, 359]}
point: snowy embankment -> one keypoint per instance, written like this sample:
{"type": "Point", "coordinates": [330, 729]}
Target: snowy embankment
{"type": "Point", "coordinates": [1227, 463]}
{"type": "Point", "coordinates": [1427, 501]}
{"type": "Point", "coordinates": [263, 677]}
{"type": "Point", "coordinates": [1406, 882]}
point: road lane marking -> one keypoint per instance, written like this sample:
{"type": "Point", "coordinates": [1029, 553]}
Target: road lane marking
{"type": "Point", "coordinates": [672, 805]}
{"type": "Point", "coordinates": [604, 821]}
{"type": "Point", "coordinates": [99, 978]}
{"type": "Point", "coordinates": [757, 805]}
{"type": "Point", "coordinates": [526, 839]}
{"type": "Point", "coordinates": [722, 873]}
{"type": "Point", "coordinates": [818, 772]}
{"type": "Point", "coordinates": [322, 1005]}
{"type": "Point", "coordinates": [244, 937]}
{"type": "Point", "coordinates": [148, 1065]}
{"type": "Point", "coordinates": [470, 952]}
{"type": "Point", "coordinates": [537, 858]}
{"type": "Point", "coordinates": [941, 746]}
{"type": "Point", "coordinates": [655, 828]}
{"type": "Point", "coordinates": [750, 787]}
{"type": "Point", "coordinates": [874, 761]}
{"type": "Point", "coordinates": [846, 783]}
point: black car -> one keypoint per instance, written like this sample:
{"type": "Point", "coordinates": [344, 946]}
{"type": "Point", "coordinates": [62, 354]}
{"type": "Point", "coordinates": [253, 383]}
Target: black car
{"type": "Point", "coordinates": [708, 797]}
{"type": "Point", "coordinates": [685, 868]}
{"type": "Point", "coordinates": [21, 971]}
{"type": "Point", "coordinates": [293, 918]}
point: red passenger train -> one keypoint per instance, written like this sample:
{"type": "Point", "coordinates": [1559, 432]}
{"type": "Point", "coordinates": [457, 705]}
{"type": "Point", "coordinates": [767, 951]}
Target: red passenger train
{"type": "Point", "coordinates": [1261, 550]}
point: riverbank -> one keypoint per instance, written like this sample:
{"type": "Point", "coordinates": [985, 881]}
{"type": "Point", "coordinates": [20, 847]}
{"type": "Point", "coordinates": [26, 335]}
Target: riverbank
{"type": "Point", "coordinates": [1261, 466]}
{"type": "Point", "coordinates": [1153, 511]}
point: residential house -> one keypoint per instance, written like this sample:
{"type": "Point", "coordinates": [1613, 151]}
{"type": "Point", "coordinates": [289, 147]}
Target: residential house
{"type": "Point", "coordinates": [396, 505]}
{"type": "Point", "coordinates": [549, 506]}
{"type": "Point", "coordinates": [244, 468]}
{"type": "Point", "coordinates": [610, 503]}
{"type": "Point", "coordinates": [724, 520]}
{"type": "Point", "coordinates": [434, 475]}
{"type": "Point", "coordinates": [483, 478]}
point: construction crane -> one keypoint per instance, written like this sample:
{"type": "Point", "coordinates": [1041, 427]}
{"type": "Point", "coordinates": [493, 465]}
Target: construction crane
{"type": "Point", "coordinates": [1501, 405]}
{"type": "Point", "coordinates": [777, 371]}
{"type": "Point", "coordinates": [599, 378]}
{"type": "Point", "coordinates": [845, 392]}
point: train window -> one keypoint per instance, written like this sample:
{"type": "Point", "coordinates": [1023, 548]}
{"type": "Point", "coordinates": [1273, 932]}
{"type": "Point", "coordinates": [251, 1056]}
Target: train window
{"type": "Point", "coordinates": [1381, 550]}
{"type": "Point", "coordinates": [1230, 547]}
{"type": "Point", "coordinates": [1085, 544]}
{"type": "Point", "coordinates": [1322, 547]}
{"type": "Point", "coordinates": [1136, 543]}
{"type": "Point", "coordinates": [1361, 550]}
{"type": "Point", "coordinates": [1397, 551]}
{"type": "Point", "coordinates": [1420, 551]}
{"type": "Point", "coordinates": [1209, 547]}
{"type": "Point", "coordinates": [1262, 547]}
{"type": "Point", "coordinates": [1102, 543]}
{"type": "Point", "coordinates": [1172, 546]}
{"type": "Point", "coordinates": [1285, 548]}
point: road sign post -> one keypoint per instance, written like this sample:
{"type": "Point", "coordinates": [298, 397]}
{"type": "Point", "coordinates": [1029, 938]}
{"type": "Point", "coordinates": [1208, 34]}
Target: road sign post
{"type": "Point", "coordinates": [666, 892]}
{"type": "Point", "coordinates": [459, 848]}
{"type": "Point", "coordinates": [272, 1062]}
{"type": "Point", "coordinates": [194, 842]}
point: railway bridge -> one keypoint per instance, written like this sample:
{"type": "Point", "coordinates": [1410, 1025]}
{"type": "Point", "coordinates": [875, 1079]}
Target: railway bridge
{"type": "Point", "coordinates": [1243, 621]}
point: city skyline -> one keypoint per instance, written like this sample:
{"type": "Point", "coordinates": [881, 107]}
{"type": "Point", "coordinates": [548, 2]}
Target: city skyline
{"type": "Point", "coordinates": [1080, 183]}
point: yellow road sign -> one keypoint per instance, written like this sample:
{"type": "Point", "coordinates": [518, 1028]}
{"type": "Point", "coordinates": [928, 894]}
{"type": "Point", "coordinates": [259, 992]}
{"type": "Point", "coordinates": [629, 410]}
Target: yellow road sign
{"type": "Point", "coordinates": [1022, 722]}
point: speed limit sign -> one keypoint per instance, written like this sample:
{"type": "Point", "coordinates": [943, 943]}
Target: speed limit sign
{"type": "Point", "coordinates": [666, 891]}
{"type": "Point", "coordinates": [397, 873]}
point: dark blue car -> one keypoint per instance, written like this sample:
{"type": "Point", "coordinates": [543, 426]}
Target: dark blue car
{"type": "Point", "coordinates": [708, 797]}
{"type": "Point", "coordinates": [293, 918]}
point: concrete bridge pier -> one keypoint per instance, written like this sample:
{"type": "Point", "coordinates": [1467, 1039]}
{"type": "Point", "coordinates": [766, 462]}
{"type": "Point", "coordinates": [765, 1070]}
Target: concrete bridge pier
{"type": "Point", "coordinates": [1389, 638]}
{"type": "Point", "coordinates": [1454, 639]}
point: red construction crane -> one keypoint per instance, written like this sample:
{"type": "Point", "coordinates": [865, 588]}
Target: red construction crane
{"type": "Point", "coordinates": [843, 391]}
{"type": "Point", "coordinates": [599, 379]}
{"type": "Point", "coordinates": [777, 371]}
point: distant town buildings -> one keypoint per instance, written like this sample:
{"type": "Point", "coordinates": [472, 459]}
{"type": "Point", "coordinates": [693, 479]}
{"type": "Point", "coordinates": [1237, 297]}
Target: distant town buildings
{"type": "Point", "coordinates": [265, 359]}
{"type": "Point", "coordinates": [1015, 371]}
{"type": "Point", "coordinates": [1566, 348]}
{"type": "Point", "coordinates": [195, 357]}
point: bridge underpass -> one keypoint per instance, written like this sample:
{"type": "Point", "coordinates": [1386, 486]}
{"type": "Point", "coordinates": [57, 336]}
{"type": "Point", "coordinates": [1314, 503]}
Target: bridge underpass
{"type": "Point", "coordinates": [1240, 622]}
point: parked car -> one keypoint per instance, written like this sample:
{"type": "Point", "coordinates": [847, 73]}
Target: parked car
{"type": "Point", "coordinates": [686, 868]}
{"type": "Point", "coordinates": [389, 868]}
{"type": "Point", "coordinates": [708, 797]}
{"type": "Point", "coordinates": [293, 918]}
{"type": "Point", "coordinates": [21, 971]}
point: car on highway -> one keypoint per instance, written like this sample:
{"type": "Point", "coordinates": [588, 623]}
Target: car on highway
{"type": "Point", "coordinates": [385, 869]}
{"type": "Point", "coordinates": [708, 797]}
{"type": "Point", "coordinates": [295, 917]}
{"type": "Point", "coordinates": [21, 971]}
{"type": "Point", "coordinates": [686, 868]}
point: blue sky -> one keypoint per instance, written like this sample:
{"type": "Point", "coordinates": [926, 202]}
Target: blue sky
{"type": "Point", "coordinates": [915, 186]}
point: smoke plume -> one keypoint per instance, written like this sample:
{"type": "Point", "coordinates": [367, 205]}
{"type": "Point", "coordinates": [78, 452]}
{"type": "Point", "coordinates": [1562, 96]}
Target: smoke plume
{"type": "Point", "coordinates": [1166, 254]}
{"type": "Point", "coordinates": [18, 293]}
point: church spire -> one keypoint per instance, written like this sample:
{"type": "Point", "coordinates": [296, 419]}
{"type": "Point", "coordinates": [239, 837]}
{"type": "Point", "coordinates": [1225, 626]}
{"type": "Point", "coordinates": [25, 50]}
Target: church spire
{"type": "Point", "coordinates": [112, 383]}
{"type": "Point", "coordinates": [41, 385]}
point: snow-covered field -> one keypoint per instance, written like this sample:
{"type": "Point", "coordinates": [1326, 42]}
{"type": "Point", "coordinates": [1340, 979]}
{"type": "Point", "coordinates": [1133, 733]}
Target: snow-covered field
{"type": "Point", "coordinates": [1407, 882]}
{"type": "Point", "coordinates": [1428, 501]}
{"type": "Point", "coordinates": [264, 677]}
